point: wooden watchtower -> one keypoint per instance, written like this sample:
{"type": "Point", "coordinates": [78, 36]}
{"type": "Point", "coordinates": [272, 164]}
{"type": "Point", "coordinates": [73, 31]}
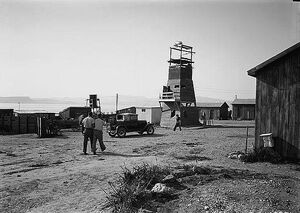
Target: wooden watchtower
{"type": "Point", "coordinates": [178, 96]}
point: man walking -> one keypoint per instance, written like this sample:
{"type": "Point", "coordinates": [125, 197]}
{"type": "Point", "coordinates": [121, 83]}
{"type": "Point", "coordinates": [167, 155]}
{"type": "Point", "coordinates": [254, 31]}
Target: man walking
{"type": "Point", "coordinates": [178, 123]}
{"type": "Point", "coordinates": [98, 134]}
{"type": "Point", "coordinates": [88, 124]}
{"type": "Point", "coordinates": [80, 119]}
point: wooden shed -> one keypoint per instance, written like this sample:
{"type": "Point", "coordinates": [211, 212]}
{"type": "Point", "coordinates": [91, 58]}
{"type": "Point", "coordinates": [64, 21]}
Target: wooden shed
{"type": "Point", "coordinates": [243, 109]}
{"type": "Point", "coordinates": [74, 112]}
{"type": "Point", "coordinates": [278, 101]}
{"type": "Point", "coordinates": [6, 112]}
{"type": "Point", "coordinates": [216, 111]}
{"type": "Point", "coordinates": [150, 114]}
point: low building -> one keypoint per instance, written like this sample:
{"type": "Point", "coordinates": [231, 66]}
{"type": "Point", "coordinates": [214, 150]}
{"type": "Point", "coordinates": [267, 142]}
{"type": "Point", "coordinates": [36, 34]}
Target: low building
{"type": "Point", "coordinates": [5, 120]}
{"type": "Point", "coordinates": [74, 112]}
{"type": "Point", "coordinates": [150, 114]}
{"type": "Point", "coordinates": [243, 109]}
{"type": "Point", "coordinates": [215, 111]}
{"type": "Point", "coordinates": [22, 121]}
{"type": "Point", "coordinates": [6, 112]}
{"type": "Point", "coordinates": [278, 101]}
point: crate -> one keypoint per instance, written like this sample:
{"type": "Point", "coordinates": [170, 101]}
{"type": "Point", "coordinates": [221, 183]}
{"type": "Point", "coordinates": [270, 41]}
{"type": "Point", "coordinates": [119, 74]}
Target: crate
{"type": "Point", "coordinates": [267, 139]}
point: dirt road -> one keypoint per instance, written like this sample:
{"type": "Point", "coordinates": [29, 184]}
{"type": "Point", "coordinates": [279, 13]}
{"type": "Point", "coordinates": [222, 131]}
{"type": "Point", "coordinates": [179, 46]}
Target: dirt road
{"type": "Point", "coordinates": [51, 175]}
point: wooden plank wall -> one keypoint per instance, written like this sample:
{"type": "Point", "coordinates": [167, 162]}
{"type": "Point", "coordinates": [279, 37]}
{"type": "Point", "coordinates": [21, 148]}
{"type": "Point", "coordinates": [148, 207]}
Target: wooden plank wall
{"type": "Point", "coordinates": [189, 116]}
{"type": "Point", "coordinates": [187, 92]}
{"type": "Point", "coordinates": [18, 124]}
{"type": "Point", "coordinates": [223, 112]}
{"type": "Point", "coordinates": [244, 110]}
{"type": "Point", "coordinates": [180, 81]}
{"type": "Point", "coordinates": [277, 105]}
{"type": "Point", "coordinates": [207, 111]}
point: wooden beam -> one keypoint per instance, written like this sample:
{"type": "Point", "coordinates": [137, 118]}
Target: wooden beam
{"type": "Point", "coordinates": [183, 50]}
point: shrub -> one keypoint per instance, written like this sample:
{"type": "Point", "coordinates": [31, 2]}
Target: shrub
{"type": "Point", "coordinates": [132, 189]}
{"type": "Point", "coordinates": [265, 154]}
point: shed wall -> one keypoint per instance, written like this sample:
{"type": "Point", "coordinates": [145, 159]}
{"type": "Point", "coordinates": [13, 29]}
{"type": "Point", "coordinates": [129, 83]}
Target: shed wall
{"type": "Point", "coordinates": [210, 112]}
{"type": "Point", "coordinates": [189, 115]}
{"type": "Point", "coordinates": [156, 115]}
{"type": "Point", "coordinates": [243, 112]}
{"type": "Point", "coordinates": [278, 104]}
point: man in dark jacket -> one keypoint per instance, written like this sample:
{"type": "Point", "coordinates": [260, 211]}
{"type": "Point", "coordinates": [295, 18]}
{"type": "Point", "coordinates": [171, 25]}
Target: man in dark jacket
{"type": "Point", "coordinates": [178, 123]}
{"type": "Point", "coordinates": [88, 124]}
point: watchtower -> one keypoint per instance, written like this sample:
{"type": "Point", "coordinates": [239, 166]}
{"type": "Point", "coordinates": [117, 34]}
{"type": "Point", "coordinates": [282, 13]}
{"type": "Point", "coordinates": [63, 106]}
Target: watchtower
{"type": "Point", "coordinates": [178, 96]}
{"type": "Point", "coordinates": [94, 103]}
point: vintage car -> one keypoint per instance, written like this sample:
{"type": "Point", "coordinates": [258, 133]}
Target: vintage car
{"type": "Point", "coordinates": [128, 122]}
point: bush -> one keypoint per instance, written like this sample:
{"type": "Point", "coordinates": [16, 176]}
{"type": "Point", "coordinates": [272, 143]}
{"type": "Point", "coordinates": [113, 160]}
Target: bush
{"type": "Point", "coordinates": [265, 154]}
{"type": "Point", "coordinates": [132, 188]}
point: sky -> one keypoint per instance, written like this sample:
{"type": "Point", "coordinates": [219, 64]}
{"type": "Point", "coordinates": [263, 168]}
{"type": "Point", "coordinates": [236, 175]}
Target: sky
{"type": "Point", "coordinates": [64, 48]}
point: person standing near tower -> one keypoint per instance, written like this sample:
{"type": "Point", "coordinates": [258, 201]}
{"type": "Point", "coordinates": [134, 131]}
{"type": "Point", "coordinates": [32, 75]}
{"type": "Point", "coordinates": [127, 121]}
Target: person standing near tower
{"type": "Point", "coordinates": [98, 134]}
{"type": "Point", "coordinates": [178, 123]}
{"type": "Point", "coordinates": [88, 124]}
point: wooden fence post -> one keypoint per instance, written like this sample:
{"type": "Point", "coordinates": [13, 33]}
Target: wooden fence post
{"type": "Point", "coordinates": [19, 124]}
{"type": "Point", "coordinates": [246, 141]}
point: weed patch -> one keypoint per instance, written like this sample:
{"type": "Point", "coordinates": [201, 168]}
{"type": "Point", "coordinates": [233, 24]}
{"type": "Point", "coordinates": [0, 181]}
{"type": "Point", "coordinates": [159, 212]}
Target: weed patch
{"type": "Point", "coordinates": [191, 157]}
{"type": "Point", "coordinates": [265, 154]}
{"type": "Point", "coordinates": [132, 190]}
{"type": "Point", "coordinates": [196, 150]}
{"type": "Point", "coordinates": [11, 154]}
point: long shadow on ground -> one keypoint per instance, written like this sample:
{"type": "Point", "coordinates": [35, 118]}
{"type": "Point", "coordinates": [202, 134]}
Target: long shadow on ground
{"type": "Point", "coordinates": [145, 135]}
{"type": "Point", "coordinates": [119, 154]}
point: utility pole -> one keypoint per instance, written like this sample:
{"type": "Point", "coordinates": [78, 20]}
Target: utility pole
{"type": "Point", "coordinates": [117, 100]}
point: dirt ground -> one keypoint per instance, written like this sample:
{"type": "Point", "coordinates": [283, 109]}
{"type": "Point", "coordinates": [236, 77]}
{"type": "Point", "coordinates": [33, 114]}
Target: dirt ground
{"type": "Point", "coordinates": [52, 175]}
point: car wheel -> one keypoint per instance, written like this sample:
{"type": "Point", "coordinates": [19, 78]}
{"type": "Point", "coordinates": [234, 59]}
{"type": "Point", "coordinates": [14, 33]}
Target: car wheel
{"type": "Point", "coordinates": [150, 130]}
{"type": "Point", "coordinates": [121, 132]}
{"type": "Point", "coordinates": [112, 134]}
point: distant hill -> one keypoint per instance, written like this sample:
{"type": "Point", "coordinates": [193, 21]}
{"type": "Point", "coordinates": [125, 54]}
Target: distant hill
{"type": "Point", "coordinates": [16, 99]}
{"type": "Point", "coordinates": [108, 103]}
{"type": "Point", "coordinates": [28, 100]}
{"type": "Point", "coordinates": [201, 99]}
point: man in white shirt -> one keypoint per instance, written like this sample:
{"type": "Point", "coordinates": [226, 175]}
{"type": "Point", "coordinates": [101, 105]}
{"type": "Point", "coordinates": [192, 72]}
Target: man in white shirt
{"type": "Point", "coordinates": [88, 124]}
{"type": "Point", "coordinates": [98, 134]}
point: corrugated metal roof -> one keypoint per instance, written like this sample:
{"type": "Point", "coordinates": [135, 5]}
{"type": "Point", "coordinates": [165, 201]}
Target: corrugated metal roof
{"type": "Point", "coordinates": [210, 105]}
{"type": "Point", "coordinates": [254, 70]}
{"type": "Point", "coordinates": [243, 101]}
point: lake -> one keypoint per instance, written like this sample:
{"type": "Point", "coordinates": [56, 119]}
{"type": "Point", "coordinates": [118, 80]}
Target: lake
{"type": "Point", "coordinates": [43, 107]}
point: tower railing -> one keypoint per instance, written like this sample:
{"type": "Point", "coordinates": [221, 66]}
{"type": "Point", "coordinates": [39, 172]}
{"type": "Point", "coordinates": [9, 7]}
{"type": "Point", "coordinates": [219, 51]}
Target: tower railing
{"type": "Point", "coordinates": [169, 96]}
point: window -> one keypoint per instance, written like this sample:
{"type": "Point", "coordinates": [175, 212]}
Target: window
{"type": "Point", "coordinates": [211, 114]}
{"type": "Point", "coordinates": [184, 114]}
{"type": "Point", "coordinates": [119, 117]}
{"type": "Point", "coordinates": [238, 111]}
{"type": "Point", "coordinates": [133, 117]}
{"type": "Point", "coordinates": [176, 86]}
{"type": "Point", "coordinates": [143, 110]}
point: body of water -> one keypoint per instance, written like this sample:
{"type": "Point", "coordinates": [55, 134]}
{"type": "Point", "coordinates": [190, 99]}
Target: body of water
{"type": "Point", "coordinates": [56, 108]}
{"type": "Point", "coordinates": [53, 107]}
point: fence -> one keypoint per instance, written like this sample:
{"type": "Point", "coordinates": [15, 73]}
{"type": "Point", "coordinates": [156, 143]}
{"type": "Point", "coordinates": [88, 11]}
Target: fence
{"type": "Point", "coordinates": [18, 124]}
